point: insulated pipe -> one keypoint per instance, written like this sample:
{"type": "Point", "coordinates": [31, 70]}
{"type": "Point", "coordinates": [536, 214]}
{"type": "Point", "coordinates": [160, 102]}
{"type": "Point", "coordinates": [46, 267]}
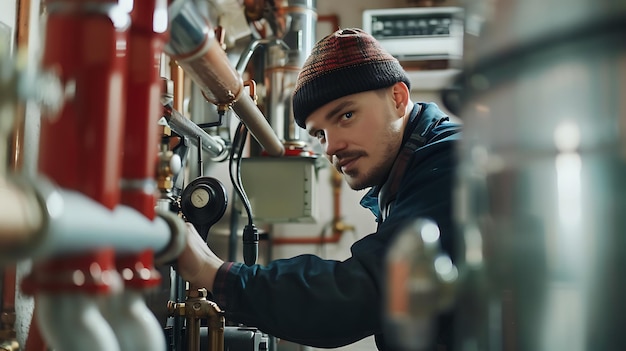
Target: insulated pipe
{"type": "Point", "coordinates": [76, 223]}
{"type": "Point", "coordinates": [68, 292]}
{"type": "Point", "coordinates": [194, 47]}
{"type": "Point", "coordinates": [134, 324]}
{"type": "Point", "coordinates": [73, 322]}
{"type": "Point", "coordinates": [256, 123]}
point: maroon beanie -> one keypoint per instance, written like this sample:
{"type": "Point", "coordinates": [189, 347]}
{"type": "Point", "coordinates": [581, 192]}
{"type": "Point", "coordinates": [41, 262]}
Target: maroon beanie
{"type": "Point", "coordinates": [346, 62]}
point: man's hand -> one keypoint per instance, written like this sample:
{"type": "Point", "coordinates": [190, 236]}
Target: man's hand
{"type": "Point", "coordinates": [197, 263]}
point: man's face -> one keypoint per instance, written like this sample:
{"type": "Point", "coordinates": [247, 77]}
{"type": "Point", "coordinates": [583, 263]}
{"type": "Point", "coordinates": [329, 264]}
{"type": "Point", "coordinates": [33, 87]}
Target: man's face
{"type": "Point", "coordinates": [360, 134]}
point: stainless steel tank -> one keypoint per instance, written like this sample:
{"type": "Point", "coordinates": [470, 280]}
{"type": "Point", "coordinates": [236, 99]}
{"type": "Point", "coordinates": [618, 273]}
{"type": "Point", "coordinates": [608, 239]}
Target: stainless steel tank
{"type": "Point", "coordinates": [540, 198]}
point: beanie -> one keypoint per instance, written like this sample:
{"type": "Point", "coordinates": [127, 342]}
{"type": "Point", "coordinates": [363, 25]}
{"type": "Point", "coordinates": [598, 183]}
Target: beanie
{"type": "Point", "coordinates": [349, 61]}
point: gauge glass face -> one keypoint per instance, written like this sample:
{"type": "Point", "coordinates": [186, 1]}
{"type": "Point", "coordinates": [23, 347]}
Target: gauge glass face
{"type": "Point", "coordinates": [200, 197]}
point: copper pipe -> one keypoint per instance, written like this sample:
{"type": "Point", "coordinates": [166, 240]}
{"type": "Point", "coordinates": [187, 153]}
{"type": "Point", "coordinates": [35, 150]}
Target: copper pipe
{"type": "Point", "coordinates": [197, 307]}
{"type": "Point", "coordinates": [178, 77]}
{"type": "Point", "coordinates": [21, 41]}
{"type": "Point", "coordinates": [254, 9]}
{"type": "Point", "coordinates": [17, 138]}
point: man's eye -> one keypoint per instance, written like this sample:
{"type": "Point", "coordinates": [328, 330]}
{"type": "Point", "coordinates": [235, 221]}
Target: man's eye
{"type": "Point", "coordinates": [346, 115]}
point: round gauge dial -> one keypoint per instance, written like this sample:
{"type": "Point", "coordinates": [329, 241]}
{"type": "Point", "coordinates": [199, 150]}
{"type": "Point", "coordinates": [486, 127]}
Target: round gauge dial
{"type": "Point", "coordinates": [200, 197]}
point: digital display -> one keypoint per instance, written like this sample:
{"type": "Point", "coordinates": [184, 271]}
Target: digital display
{"type": "Point", "coordinates": [411, 25]}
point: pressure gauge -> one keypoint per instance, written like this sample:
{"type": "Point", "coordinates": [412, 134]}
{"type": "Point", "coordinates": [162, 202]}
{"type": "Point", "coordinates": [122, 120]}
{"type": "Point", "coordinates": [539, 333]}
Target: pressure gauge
{"type": "Point", "coordinates": [200, 197]}
{"type": "Point", "coordinates": [203, 202]}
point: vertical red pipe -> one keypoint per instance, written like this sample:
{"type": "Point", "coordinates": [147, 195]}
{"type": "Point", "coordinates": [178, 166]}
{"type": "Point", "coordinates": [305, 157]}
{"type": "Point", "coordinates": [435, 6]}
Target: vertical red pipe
{"type": "Point", "coordinates": [80, 148]}
{"type": "Point", "coordinates": [143, 109]}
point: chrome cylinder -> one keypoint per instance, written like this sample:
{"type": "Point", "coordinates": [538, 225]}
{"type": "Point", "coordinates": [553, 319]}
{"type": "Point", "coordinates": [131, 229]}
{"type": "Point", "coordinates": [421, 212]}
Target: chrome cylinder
{"type": "Point", "coordinates": [283, 65]}
{"type": "Point", "coordinates": [543, 169]}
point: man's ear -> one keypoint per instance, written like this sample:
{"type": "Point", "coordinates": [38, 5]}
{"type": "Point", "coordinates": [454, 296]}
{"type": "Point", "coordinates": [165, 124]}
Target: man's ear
{"type": "Point", "coordinates": [401, 97]}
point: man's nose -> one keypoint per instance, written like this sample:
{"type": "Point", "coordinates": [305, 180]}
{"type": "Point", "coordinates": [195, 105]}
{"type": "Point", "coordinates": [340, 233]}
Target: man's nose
{"type": "Point", "coordinates": [334, 143]}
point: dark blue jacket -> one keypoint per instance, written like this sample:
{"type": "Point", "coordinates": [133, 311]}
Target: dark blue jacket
{"type": "Point", "coordinates": [328, 303]}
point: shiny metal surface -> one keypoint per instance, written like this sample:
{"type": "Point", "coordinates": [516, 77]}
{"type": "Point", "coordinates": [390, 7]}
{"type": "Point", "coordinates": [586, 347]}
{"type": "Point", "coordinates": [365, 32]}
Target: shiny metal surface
{"type": "Point", "coordinates": [540, 202]}
{"type": "Point", "coordinates": [283, 66]}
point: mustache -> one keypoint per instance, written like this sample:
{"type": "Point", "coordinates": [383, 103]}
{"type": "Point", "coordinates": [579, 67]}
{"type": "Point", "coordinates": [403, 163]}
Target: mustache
{"type": "Point", "coordinates": [343, 155]}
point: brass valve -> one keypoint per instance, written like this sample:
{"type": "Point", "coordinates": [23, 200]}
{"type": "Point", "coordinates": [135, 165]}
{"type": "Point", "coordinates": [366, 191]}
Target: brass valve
{"type": "Point", "coordinates": [197, 307]}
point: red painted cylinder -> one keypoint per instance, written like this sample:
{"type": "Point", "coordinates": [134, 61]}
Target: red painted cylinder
{"type": "Point", "coordinates": [143, 109]}
{"type": "Point", "coordinates": [81, 147]}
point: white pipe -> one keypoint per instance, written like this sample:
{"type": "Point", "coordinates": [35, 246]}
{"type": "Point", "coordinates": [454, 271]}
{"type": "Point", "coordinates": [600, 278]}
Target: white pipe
{"type": "Point", "coordinates": [251, 116]}
{"type": "Point", "coordinates": [134, 324]}
{"type": "Point", "coordinates": [73, 322]}
{"type": "Point", "coordinates": [76, 223]}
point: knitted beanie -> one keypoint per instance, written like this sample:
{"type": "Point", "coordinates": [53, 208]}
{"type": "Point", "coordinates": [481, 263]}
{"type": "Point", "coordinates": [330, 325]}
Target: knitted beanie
{"type": "Point", "coordinates": [346, 62]}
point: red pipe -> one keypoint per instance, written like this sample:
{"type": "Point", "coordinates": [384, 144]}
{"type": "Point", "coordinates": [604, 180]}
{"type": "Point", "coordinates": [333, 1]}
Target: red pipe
{"type": "Point", "coordinates": [147, 37]}
{"type": "Point", "coordinates": [80, 148]}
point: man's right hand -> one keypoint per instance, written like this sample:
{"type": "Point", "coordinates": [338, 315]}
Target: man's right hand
{"type": "Point", "coordinates": [197, 264]}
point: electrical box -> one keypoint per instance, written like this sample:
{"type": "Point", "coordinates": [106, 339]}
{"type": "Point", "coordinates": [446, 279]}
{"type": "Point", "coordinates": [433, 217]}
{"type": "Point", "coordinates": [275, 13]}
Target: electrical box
{"type": "Point", "coordinates": [417, 33]}
{"type": "Point", "coordinates": [280, 190]}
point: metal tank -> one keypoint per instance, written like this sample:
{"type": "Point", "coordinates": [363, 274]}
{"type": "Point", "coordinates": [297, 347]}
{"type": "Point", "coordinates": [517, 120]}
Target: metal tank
{"type": "Point", "coordinates": [283, 63]}
{"type": "Point", "coordinates": [540, 202]}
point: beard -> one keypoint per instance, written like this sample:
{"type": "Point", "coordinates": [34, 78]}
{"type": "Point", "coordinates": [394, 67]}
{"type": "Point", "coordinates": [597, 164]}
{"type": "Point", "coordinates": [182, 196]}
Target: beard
{"type": "Point", "coordinates": [359, 178]}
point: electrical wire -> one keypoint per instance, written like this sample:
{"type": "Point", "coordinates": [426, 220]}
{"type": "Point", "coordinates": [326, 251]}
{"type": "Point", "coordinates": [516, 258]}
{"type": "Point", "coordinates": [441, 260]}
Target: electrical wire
{"type": "Point", "coordinates": [250, 233]}
{"type": "Point", "coordinates": [239, 141]}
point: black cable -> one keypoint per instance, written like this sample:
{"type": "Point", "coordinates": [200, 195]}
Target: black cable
{"type": "Point", "coordinates": [250, 232]}
{"type": "Point", "coordinates": [239, 140]}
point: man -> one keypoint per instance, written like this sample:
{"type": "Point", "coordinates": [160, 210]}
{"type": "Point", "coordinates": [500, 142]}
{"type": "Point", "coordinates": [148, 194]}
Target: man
{"type": "Point", "coordinates": [354, 98]}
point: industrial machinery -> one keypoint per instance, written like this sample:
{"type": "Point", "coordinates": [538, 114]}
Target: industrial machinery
{"type": "Point", "coordinates": [120, 169]}
{"type": "Point", "coordinates": [105, 208]}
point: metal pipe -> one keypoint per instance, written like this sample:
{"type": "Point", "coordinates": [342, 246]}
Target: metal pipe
{"type": "Point", "coordinates": [193, 45]}
{"type": "Point", "coordinates": [79, 148]}
{"type": "Point", "coordinates": [89, 329]}
{"type": "Point", "coordinates": [134, 324]}
{"type": "Point", "coordinates": [68, 292]}
{"type": "Point", "coordinates": [251, 116]}
{"type": "Point", "coordinates": [146, 38]}
{"type": "Point", "coordinates": [183, 126]}
{"type": "Point", "coordinates": [76, 223]}
{"type": "Point", "coordinates": [283, 63]}
{"type": "Point", "coordinates": [197, 307]}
